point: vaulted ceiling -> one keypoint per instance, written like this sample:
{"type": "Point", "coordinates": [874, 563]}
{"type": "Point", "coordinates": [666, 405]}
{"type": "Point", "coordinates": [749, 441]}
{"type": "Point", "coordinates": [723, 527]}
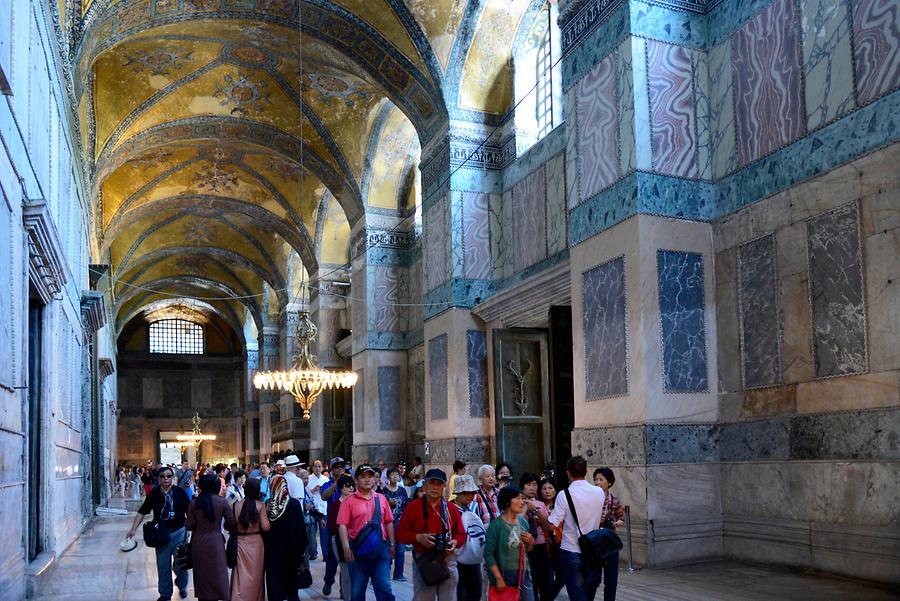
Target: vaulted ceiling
{"type": "Point", "coordinates": [190, 113]}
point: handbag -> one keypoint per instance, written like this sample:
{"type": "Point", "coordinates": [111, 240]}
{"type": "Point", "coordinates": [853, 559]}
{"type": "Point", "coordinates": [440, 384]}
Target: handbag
{"type": "Point", "coordinates": [155, 534]}
{"type": "Point", "coordinates": [304, 577]}
{"type": "Point", "coordinates": [183, 558]}
{"type": "Point", "coordinates": [597, 545]}
{"type": "Point", "coordinates": [231, 550]}
{"type": "Point", "coordinates": [510, 593]}
{"type": "Point", "coordinates": [432, 564]}
{"type": "Point", "coordinates": [368, 543]}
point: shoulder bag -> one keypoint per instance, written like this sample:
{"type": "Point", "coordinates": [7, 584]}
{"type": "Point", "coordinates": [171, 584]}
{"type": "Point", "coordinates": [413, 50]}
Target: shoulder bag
{"type": "Point", "coordinates": [432, 564]}
{"type": "Point", "coordinates": [597, 545]}
{"type": "Point", "coordinates": [368, 543]}
{"type": "Point", "coordinates": [156, 534]}
{"type": "Point", "coordinates": [183, 558]}
{"type": "Point", "coordinates": [510, 593]}
{"type": "Point", "coordinates": [231, 550]}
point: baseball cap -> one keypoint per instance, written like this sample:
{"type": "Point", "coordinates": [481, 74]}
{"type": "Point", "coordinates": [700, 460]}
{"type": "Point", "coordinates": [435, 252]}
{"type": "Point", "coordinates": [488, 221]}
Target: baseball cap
{"type": "Point", "coordinates": [365, 468]}
{"type": "Point", "coordinates": [435, 474]}
{"type": "Point", "coordinates": [334, 461]}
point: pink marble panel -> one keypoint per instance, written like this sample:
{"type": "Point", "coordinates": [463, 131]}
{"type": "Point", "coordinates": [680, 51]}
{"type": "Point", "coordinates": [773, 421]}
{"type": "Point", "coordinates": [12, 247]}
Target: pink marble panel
{"type": "Point", "coordinates": [876, 37]}
{"type": "Point", "coordinates": [598, 161]}
{"type": "Point", "coordinates": [435, 247]}
{"type": "Point", "coordinates": [529, 220]}
{"type": "Point", "coordinates": [672, 109]}
{"type": "Point", "coordinates": [384, 315]}
{"type": "Point", "coordinates": [476, 236]}
{"type": "Point", "coordinates": [767, 82]}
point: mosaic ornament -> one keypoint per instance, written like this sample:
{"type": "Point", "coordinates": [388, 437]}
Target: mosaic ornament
{"type": "Point", "coordinates": [285, 170]}
{"type": "Point", "coordinates": [213, 178]}
{"type": "Point", "coordinates": [326, 86]}
{"type": "Point", "coordinates": [243, 93]}
{"type": "Point", "coordinates": [191, 263]}
{"type": "Point", "coordinates": [199, 233]}
{"type": "Point", "coordinates": [158, 62]}
{"type": "Point", "coordinates": [152, 159]}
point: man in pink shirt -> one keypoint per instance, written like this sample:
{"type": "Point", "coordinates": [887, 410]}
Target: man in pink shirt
{"type": "Point", "coordinates": [365, 525]}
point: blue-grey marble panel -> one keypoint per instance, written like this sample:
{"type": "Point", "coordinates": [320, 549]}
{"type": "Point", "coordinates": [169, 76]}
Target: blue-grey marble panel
{"type": "Point", "coordinates": [604, 319]}
{"type": "Point", "coordinates": [682, 443]}
{"type": "Point", "coordinates": [359, 402]}
{"type": "Point", "coordinates": [613, 445]}
{"type": "Point", "coordinates": [836, 292]}
{"type": "Point", "coordinates": [765, 440]}
{"type": "Point", "coordinates": [457, 292]}
{"type": "Point", "coordinates": [758, 298]}
{"type": "Point", "coordinates": [476, 359]}
{"type": "Point", "coordinates": [419, 419]}
{"type": "Point", "coordinates": [389, 398]}
{"type": "Point", "coordinates": [437, 376]}
{"type": "Point", "coordinates": [841, 436]}
{"type": "Point", "coordinates": [682, 315]}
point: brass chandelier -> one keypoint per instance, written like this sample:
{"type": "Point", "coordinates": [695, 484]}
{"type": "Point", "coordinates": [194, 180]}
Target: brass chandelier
{"type": "Point", "coordinates": [304, 381]}
{"type": "Point", "coordinates": [196, 437]}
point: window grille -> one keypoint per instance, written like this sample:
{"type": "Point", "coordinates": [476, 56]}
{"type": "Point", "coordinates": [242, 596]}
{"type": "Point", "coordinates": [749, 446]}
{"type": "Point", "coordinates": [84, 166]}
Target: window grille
{"type": "Point", "coordinates": [544, 89]}
{"type": "Point", "coordinates": [176, 336]}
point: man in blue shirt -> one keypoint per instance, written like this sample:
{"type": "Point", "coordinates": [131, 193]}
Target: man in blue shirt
{"type": "Point", "coordinates": [330, 493]}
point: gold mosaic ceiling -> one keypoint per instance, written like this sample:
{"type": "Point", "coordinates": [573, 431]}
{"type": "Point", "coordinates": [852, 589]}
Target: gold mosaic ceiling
{"type": "Point", "coordinates": [190, 117]}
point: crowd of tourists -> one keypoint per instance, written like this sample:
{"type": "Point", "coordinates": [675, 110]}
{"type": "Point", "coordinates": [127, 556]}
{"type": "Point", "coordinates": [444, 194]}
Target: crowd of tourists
{"type": "Point", "coordinates": [249, 532]}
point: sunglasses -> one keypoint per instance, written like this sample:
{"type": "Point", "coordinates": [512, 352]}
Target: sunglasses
{"type": "Point", "coordinates": [165, 476]}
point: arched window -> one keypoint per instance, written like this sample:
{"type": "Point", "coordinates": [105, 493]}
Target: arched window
{"type": "Point", "coordinates": [176, 336]}
{"type": "Point", "coordinates": [538, 82]}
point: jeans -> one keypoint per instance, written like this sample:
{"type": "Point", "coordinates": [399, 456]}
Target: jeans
{"type": "Point", "coordinates": [378, 569]}
{"type": "Point", "coordinates": [445, 591]}
{"type": "Point", "coordinates": [399, 558]}
{"type": "Point", "coordinates": [311, 550]}
{"type": "Point", "coordinates": [331, 560]}
{"type": "Point", "coordinates": [164, 567]}
{"type": "Point", "coordinates": [469, 586]}
{"type": "Point", "coordinates": [526, 591]}
{"type": "Point", "coordinates": [611, 577]}
{"type": "Point", "coordinates": [581, 581]}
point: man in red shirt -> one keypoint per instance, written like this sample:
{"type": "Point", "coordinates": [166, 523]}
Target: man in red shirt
{"type": "Point", "coordinates": [365, 518]}
{"type": "Point", "coordinates": [433, 526]}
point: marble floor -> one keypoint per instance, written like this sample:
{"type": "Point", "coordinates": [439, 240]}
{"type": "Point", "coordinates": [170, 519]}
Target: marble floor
{"type": "Point", "coordinates": [94, 569]}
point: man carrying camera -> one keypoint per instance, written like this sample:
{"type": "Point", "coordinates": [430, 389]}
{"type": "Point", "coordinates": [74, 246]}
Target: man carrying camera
{"type": "Point", "coordinates": [434, 528]}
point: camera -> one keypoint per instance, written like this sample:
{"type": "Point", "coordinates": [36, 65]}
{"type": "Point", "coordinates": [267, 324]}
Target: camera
{"type": "Point", "coordinates": [440, 542]}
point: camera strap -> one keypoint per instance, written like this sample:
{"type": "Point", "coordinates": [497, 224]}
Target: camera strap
{"type": "Point", "coordinates": [445, 517]}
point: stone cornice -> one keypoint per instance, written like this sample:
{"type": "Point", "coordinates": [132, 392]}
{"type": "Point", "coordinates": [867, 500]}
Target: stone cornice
{"type": "Point", "coordinates": [106, 368]}
{"type": "Point", "coordinates": [93, 312]}
{"type": "Point", "coordinates": [45, 263]}
{"type": "Point", "coordinates": [526, 304]}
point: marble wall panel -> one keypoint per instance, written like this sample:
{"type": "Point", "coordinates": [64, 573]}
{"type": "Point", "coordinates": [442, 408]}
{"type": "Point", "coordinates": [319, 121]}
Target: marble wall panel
{"type": "Point", "coordinates": [476, 235]}
{"type": "Point", "coordinates": [437, 376]}
{"type": "Point", "coordinates": [201, 393]}
{"type": "Point", "coordinates": [882, 273]}
{"type": "Point", "coordinates": [419, 418]}
{"type": "Point", "coordinates": [619, 445]}
{"type": "Point", "coordinates": [760, 319]}
{"type": "Point", "coordinates": [6, 295]}
{"type": "Point", "coordinates": [529, 220]}
{"type": "Point", "coordinates": [848, 435]}
{"type": "Point", "coordinates": [625, 112]}
{"type": "Point", "coordinates": [152, 393]}
{"type": "Point", "coordinates": [436, 234]}
{"type": "Point", "coordinates": [384, 314]}
{"type": "Point", "coordinates": [389, 398]}
{"type": "Point", "coordinates": [672, 119]}
{"type": "Point", "coordinates": [766, 440]}
{"type": "Point", "coordinates": [682, 316]}
{"type": "Point", "coordinates": [476, 360]}
{"type": "Point", "coordinates": [598, 148]}
{"type": "Point", "coordinates": [701, 98]}
{"type": "Point", "coordinates": [359, 402]}
{"type": "Point", "coordinates": [836, 292]}
{"type": "Point", "coordinates": [827, 67]}
{"type": "Point", "coordinates": [359, 306]}
{"type": "Point", "coordinates": [498, 235]}
{"type": "Point", "coordinates": [767, 82]}
{"type": "Point", "coordinates": [557, 212]}
{"type": "Point", "coordinates": [604, 319]}
{"type": "Point", "coordinates": [876, 52]}
{"type": "Point", "coordinates": [682, 443]}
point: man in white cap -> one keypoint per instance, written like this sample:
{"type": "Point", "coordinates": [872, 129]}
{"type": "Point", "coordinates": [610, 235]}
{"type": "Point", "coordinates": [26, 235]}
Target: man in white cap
{"type": "Point", "coordinates": [292, 469]}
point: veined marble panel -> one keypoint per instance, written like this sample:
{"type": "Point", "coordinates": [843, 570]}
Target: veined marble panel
{"type": "Point", "coordinates": [767, 81]}
{"type": "Point", "coordinates": [498, 234]}
{"type": "Point", "coordinates": [642, 142]}
{"type": "Point", "coordinates": [389, 398]}
{"type": "Point", "coordinates": [384, 314]}
{"type": "Point", "coordinates": [569, 110]}
{"type": "Point", "coordinates": [682, 321]}
{"type": "Point", "coordinates": [605, 344]}
{"type": "Point", "coordinates": [721, 110]}
{"type": "Point", "coordinates": [598, 146]}
{"type": "Point", "coordinates": [476, 235]}
{"type": "Point", "coordinates": [359, 402]}
{"type": "Point", "coordinates": [827, 61]}
{"type": "Point", "coordinates": [700, 67]}
{"type": "Point", "coordinates": [530, 220]}
{"type": "Point", "coordinates": [672, 118]}
{"type": "Point", "coordinates": [760, 315]}
{"type": "Point", "coordinates": [625, 113]}
{"type": "Point", "coordinates": [453, 242]}
{"type": "Point", "coordinates": [876, 52]}
{"type": "Point", "coordinates": [836, 292]}
{"type": "Point", "coordinates": [476, 360]}
{"type": "Point", "coordinates": [419, 418]}
{"type": "Point", "coordinates": [6, 295]}
{"type": "Point", "coordinates": [557, 209]}
{"type": "Point", "coordinates": [436, 235]}
{"type": "Point", "coordinates": [437, 376]}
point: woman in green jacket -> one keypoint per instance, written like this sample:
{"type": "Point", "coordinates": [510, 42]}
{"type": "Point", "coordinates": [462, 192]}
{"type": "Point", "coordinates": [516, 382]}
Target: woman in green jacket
{"type": "Point", "coordinates": [507, 538]}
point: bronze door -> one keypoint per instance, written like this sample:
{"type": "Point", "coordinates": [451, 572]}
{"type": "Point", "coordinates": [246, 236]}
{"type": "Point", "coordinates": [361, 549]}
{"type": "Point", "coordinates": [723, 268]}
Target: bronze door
{"type": "Point", "coordinates": [522, 398]}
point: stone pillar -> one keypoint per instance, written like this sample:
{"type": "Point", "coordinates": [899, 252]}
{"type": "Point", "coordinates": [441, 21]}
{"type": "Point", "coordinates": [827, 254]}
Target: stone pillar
{"type": "Point", "coordinates": [270, 359]}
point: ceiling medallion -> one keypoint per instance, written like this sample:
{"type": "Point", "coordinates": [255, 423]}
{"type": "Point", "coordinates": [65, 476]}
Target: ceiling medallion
{"type": "Point", "coordinates": [192, 263]}
{"type": "Point", "coordinates": [199, 233]}
{"type": "Point", "coordinates": [213, 178]}
{"type": "Point", "coordinates": [326, 86]}
{"type": "Point", "coordinates": [250, 54]}
{"type": "Point", "coordinates": [285, 170]}
{"type": "Point", "coordinates": [158, 62]}
{"type": "Point", "coordinates": [243, 93]}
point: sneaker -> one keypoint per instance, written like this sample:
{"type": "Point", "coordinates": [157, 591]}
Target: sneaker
{"type": "Point", "coordinates": [399, 578]}
{"type": "Point", "coordinates": [163, 598]}
{"type": "Point", "coordinates": [326, 590]}
{"type": "Point", "coordinates": [183, 593]}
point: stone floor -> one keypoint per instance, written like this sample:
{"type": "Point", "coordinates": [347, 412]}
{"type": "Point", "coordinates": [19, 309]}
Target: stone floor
{"type": "Point", "coordinates": [94, 569]}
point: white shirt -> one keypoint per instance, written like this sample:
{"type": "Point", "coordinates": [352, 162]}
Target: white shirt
{"type": "Point", "coordinates": [588, 500]}
{"type": "Point", "coordinates": [314, 481]}
{"type": "Point", "coordinates": [295, 485]}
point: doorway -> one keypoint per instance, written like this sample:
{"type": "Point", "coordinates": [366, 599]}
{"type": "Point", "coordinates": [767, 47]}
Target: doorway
{"type": "Point", "coordinates": [338, 423]}
{"type": "Point", "coordinates": [35, 473]}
